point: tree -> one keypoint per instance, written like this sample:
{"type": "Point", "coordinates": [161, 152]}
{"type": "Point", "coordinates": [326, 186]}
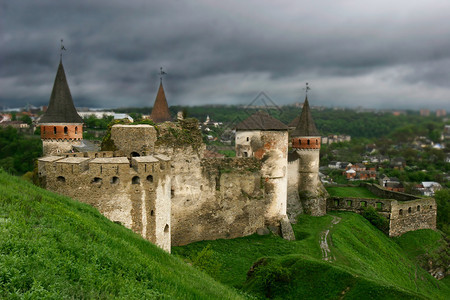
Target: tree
{"type": "Point", "coordinates": [442, 198]}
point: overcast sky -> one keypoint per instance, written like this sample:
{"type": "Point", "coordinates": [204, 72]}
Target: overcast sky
{"type": "Point", "coordinates": [374, 54]}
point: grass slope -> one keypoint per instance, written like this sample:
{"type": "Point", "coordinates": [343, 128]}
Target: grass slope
{"type": "Point", "coordinates": [53, 247]}
{"type": "Point", "coordinates": [355, 192]}
{"type": "Point", "coordinates": [367, 262]}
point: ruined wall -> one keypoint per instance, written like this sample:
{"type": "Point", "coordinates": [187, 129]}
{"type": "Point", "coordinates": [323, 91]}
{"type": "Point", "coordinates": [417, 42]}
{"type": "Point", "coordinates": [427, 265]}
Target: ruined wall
{"type": "Point", "coordinates": [403, 216]}
{"type": "Point", "coordinates": [214, 198]}
{"type": "Point", "coordinates": [386, 194]}
{"type": "Point", "coordinates": [357, 205]}
{"type": "Point", "coordinates": [136, 194]}
{"type": "Point", "coordinates": [134, 140]}
{"type": "Point", "coordinates": [412, 215]}
{"type": "Point", "coordinates": [271, 147]}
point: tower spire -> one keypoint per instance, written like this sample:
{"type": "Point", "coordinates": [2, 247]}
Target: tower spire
{"type": "Point", "coordinates": [305, 126]}
{"type": "Point", "coordinates": [160, 111]}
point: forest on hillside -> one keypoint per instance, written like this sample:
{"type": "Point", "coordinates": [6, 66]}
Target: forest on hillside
{"type": "Point", "coordinates": [328, 121]}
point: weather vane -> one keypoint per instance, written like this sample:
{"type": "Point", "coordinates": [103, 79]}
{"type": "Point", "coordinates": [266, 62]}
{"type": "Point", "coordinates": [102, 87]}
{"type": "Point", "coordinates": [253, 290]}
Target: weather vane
{"type": "Point", "coordinates": [62, 49]}
{"type": "Point", "coordinates": [306, 89]}
{"type": "Point", "coordinates": [161, 73]}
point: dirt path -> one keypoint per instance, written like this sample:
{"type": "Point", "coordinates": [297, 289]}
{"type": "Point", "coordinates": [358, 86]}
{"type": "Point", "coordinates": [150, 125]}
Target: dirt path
{"type": "Point", "coordinates": [326, 252]}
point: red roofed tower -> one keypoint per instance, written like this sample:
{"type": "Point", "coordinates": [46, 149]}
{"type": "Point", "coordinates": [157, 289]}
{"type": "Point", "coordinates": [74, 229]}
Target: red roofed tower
{"type": "Point", "coordinates": [160, 112]}
{"type": "Point", "coordinates": [306, 142]}
{"type": "Point", "coordinates": [61, 126]}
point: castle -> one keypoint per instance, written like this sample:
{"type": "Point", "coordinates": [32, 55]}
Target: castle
{"type": "Point", "coordinates": [160, 182]}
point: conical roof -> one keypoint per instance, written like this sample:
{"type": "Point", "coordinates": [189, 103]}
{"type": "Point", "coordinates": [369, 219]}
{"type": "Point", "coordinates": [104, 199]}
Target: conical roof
{"type": "Point", "coordinates": [61, 108]}
{"type": "Point", "coordinates": [261, 121]}
{"type": "Point", "coordinates": [160, 112]}
{"type": "Point", "coordinates": [305, 126]}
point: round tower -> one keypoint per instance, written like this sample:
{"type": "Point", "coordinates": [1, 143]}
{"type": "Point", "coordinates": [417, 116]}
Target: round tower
{"type": "Point", "coordinates": [266, 139]}
{"type": "Point", "coordinates": [61, 126]}
{"type": "Point", "coordinates": [306, 142]}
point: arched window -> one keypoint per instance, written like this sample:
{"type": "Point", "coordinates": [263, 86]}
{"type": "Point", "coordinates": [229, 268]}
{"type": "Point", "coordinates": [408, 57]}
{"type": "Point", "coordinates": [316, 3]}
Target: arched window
{"type": "Point", "coordinates": [76, 129]}
{"type": "Point", "coordinates": [136, 180]}
{"type": "Point", "coordinates": [308, 142]}
{"type": "Point", "coordinates": [248, 139]}
{"type": "Point", "coordinates": [66, 130]}
{"type": "Point", "coordinates": [418, 207]}
{"type": "Point", "coordinates": [363, 203]}
{"type": "Point", "coordinates": [54, 129]}
{"type": "Point", "coordinates": [400, 212]}
{"type": "Point", "coordinates": [61, 179]}
{"type": "Point", "coordinates": [152, 213]}
{"type": "Point", "coordinates": [245, 154]}
{"type": "Point", "coordinates": [166, 228]}
{"type": "Point", "coordinates": [135, 154]}
{"type": "Point", "coordinates": [317, 142]}
{"type": "Point", "coordinates": [114, 180]}
{"type": "Point", "coordinates": [409, 210]}
{"type": "Point", "coordinates": [299, 141]}
{"type": "Point", "coordinates": [150, 178]}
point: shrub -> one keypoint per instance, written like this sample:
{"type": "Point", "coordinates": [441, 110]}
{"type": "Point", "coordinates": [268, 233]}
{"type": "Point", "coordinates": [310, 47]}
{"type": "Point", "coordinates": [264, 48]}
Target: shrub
{"type": "Point", "coordinates": [206, 260]}
{"type": "Point", "coordinates": [376, 219]}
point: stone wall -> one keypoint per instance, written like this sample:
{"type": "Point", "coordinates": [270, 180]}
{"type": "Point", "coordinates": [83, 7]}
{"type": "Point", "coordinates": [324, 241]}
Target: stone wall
{"type": "Point", "coordinates": [134, 140]}
{"type": "Point", "coordinates": [403, 216]}
{"type": "Point", "coordinates": [294, 207]}
{"type": "Point", "coordinates": [311, 191]}
{"type": "Point", "coordinates": [134, 193]}
{"type": "Point", "coordinates": [386, 194]}
{"type": "Point", "coordinates": [57, 147]}
{"type": "Point", "coordinates": [357, 205]}
{"type": "Point", "coordinates": [412, 215]}
{"type": "Point", "coordinates": [271, 147]}
{"type": "Point", "coordinates": [214, 198]}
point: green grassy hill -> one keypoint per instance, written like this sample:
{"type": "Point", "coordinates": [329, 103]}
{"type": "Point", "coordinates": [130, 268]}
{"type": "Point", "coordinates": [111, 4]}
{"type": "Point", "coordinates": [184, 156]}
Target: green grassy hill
{"type": "Point", "coordinates": [55, 248]}
{"type": "Point", "coordinates": [367, 264]}
{"type": "Point", "coordinates": [357, 192]}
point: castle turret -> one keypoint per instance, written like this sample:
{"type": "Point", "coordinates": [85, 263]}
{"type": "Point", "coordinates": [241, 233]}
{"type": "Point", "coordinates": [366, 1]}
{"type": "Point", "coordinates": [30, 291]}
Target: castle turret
{"type": "Point", "coordinates": [266, 139]}
{"type": "Point", "coordinates": [61, 126]}
{"type": "Point", "coordinates": [160, 112]}
{"type": "Point", "coordinates": [306, 143]}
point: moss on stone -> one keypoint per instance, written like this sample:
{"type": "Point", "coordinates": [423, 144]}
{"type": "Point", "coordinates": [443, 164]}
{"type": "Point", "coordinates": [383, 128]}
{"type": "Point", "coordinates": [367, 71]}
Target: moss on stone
{"type": "Point", "coordinates": [185, 132]}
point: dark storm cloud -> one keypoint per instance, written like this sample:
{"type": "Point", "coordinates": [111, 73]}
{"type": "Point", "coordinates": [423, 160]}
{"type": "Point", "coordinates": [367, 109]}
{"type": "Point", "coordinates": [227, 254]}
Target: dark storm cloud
{"type": "Point", "coordinates": [353, 53]}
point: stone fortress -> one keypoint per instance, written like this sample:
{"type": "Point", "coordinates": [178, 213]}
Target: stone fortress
{"type": "Point", "coordinates": [160, 181]}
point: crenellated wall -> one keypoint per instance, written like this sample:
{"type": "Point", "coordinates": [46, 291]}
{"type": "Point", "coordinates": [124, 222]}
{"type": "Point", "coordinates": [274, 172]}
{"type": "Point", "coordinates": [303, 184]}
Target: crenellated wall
{"type": "Point", "coordinates": [135, 193]}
